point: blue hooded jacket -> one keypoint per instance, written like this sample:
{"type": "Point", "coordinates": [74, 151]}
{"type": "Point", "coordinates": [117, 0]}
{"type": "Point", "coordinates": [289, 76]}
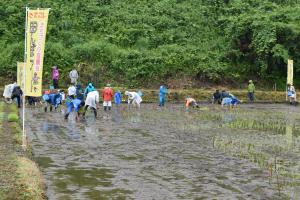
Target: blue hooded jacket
{"type": "Point", "coordinates": [118, 98]}
{"type": "Point", "coordinates": [162, 91]}
{"type": "Point", "coordinates": [88, 89]}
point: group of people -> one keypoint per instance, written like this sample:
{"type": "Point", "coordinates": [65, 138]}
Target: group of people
{"type": "Point", "coordinates": [225, 99]}
{"type": "Point", "coordinates": [79, 99]}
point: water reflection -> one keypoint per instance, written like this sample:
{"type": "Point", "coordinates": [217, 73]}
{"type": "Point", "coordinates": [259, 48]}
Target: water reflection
{"type": "Point", "coordinates": [164, 153]}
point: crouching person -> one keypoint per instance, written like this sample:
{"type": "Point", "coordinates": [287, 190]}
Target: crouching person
{"type": "Point", "coordinates": [134, 98]}
{"type": "Point", "coordinates": [17, 93]}
{"type": "Point", "coordinates": [92, 101]}
{"type": "Point", "coordinates": [74, 104]}
{"type": "Point", "coordinates": [231, 101]}
{"type": "Point", "coordinates": [190, 102]}
{"type": "Point", "coordinates": [52, 99]}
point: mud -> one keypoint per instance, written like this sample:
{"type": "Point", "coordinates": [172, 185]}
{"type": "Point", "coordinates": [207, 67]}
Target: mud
{"type": "Point", "coordinates": [165, 153]}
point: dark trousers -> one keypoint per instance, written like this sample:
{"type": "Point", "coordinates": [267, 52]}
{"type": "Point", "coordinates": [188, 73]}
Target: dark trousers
{"type": "Point", "coordinates": [94, 109]}
{"type": "Point", "coordinates": [18, 99]}
{"type": "Point", "coordinates": [55, 83]}
{"type": "Point", "coordinates": [251, 96]}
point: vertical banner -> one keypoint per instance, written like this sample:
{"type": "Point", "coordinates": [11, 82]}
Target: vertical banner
{"type": "Point", "coordinates": [35, 44]}
{"type": "Point", "coordinates": [20, 74]}
{"type": "Point", "coordinates": [290, 73]}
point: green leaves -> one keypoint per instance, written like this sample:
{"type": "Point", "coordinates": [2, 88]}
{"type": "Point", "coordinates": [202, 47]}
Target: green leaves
{"type": "Point", "coordinates": [139, 42]}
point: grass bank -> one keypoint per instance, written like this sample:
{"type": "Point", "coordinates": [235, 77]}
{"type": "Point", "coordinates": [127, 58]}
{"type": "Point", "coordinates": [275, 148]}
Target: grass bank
{"type": "Point", "coordinates": [20, 178]}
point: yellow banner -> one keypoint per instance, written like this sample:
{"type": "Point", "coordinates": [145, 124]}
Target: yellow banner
{"type": "Point", "coordinates": [35, 44]}
{"type": "Point", "coordinates": [20, 74]}
{"type": "Point", "coordinates": [290, 73]}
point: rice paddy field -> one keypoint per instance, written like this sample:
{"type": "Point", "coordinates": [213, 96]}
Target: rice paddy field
{"type": "Point", "coordinates": [252, 152]}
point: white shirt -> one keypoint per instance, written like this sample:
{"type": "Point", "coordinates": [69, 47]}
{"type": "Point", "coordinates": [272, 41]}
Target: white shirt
{"type": "Point", "coordinates": [92, 98]}
{"type": "Point", "coordinates": [135, 97]}
{"type": "Point", "coordinates": [73, 74]}
{"type": "Point", "coordinates": [8, 90]}
{"type": "Point", "coordinates": [72, 90]}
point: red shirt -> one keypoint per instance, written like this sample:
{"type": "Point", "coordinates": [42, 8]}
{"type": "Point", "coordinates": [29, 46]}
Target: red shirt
{"type": "Point", "coordinates": [107, 94]}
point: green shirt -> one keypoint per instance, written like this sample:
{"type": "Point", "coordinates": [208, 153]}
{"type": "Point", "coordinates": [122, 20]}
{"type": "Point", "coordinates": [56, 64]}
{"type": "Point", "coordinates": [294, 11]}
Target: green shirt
{"type": "Point", "coordinates": [251, 87]}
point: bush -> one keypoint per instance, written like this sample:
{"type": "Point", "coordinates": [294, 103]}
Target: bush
{"type": "Point", "coordinates": [12, 117]}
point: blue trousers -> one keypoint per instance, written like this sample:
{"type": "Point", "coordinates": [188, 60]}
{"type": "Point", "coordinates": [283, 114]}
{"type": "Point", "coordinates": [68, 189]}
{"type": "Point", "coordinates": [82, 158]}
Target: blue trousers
{"type": "Point", "coordinates": [161, 101]}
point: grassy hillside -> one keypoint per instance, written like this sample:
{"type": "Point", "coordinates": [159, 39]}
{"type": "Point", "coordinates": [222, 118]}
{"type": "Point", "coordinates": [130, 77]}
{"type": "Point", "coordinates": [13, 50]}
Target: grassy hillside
{"type": "Point", "coordinates": [144, 43]}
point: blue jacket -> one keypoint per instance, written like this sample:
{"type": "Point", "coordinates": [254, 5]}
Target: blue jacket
{"type": "Point", "coordinates": [54, 99]}
{"type": "Point", "coordinates": [118, 98]}
{"type": "Point", "coordinates": [79, 92]}
{"type": "Point", "coordinates": [88, 89]}
{"type": "Point", "coordinates": [162, 91]}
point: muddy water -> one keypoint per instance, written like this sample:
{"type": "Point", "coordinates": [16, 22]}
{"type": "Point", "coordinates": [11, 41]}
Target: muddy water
{"type": "Point", "coordinates": [158, 153]}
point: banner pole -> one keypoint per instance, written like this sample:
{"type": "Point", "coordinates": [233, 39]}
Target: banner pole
{"type": "Point", "coordinates": [24, 143]}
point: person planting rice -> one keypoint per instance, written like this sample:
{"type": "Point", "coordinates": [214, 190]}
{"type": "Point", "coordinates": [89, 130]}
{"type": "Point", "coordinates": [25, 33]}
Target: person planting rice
{"type": "Point", "coordinates": [217, 98]}
{"type": "Point", "coordinates": [8, 92]}
{"type": "Point", "coordinates": [79, 92]}
{"type": "Point", "coordinates": [224, 94]}
{"type": "Point", "coordinates": [17, 93]}
{"type": "Point", "coordinates": [72, 91]}
{"type": "Point", "coordinates": [118, 98]}
{"type": "Point", "coordinates": [52, 99]}
{"type": "Point", "coordinates": [190, 102]}
{"type": "Point", "coordinates": [88, 89]}
{"type": "Point", "coordinates": [74, 104]}
{"type": "Point", "coordinates": [230, 101]}
{"type": "Point", "coordinates": [162, 94]}
{"type": "Point", "coordinates": [107, 95]}
{"type": "Point", "coordinates": [291, 94]}
{"type": "Point", "coordinates": [134, 98]}
{"type": "Point", "coordinates": [92, 101]}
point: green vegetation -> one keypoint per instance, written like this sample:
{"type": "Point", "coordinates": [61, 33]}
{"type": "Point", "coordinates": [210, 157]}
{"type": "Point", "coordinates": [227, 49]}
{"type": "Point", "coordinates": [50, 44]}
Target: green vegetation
{"type": "Point", "coordinates": [20, 178]}
{"type": "Point", "coordinates": [12, 117]}
{"type": "Point", "coordinates": [29, 184]}
{"type": "Point", "coordinates": [142, 43]}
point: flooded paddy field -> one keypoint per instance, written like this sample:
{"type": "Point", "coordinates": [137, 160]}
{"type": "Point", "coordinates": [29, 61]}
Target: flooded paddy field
{"type": "Point", "coordinates": [209, 153]}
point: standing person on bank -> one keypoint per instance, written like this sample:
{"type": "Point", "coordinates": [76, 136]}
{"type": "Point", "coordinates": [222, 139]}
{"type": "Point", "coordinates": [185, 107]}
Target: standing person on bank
{"type": "Point", "coordinates": [73, 76]}
{"type": "Point", "coordinates": [107, 95]}
{"type": "Point", "coordinates": [251, 90]}
{"type": "Point", "coordinates": [55, 76]}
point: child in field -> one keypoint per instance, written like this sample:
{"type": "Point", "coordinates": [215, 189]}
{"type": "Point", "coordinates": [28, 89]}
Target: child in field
{"type": "Point", "coordinates": [230, 101]}
{"type": "Point", "coordinates": [92, 101]}
{"type": "Point", "coordinates": [107, 95]}
{"type": "Point", "coordinates": [52, 98]}
{"type": "Point", "coordinates": [118, 98]}
{"type": "Point", "coordinates": [74, 104]}
{"type": "Point", "coordinates": [134, 98]}
{"type": "Point", "coordinates": [291, 93]}
{"type": "Point", "coordinates": [8, 92]}
{"type": "Point", "coordinates": [88, 89]}
{"type": "Point", "coordinates": [190, 102]}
